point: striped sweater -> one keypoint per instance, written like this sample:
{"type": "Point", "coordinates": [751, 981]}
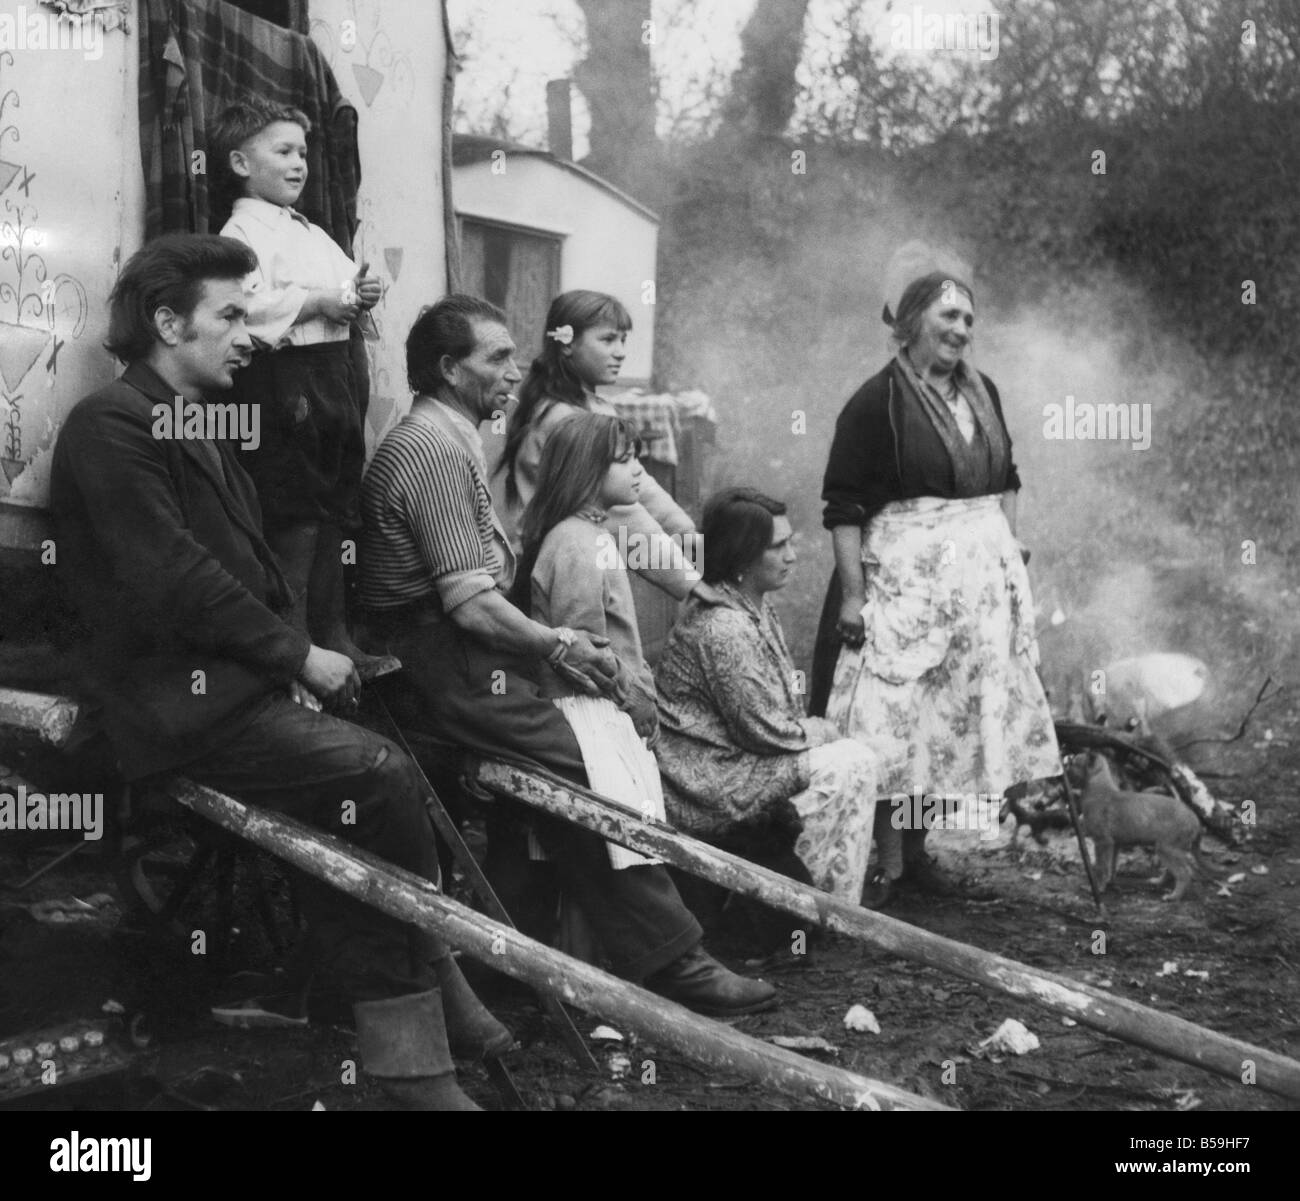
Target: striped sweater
{"type": "Point", "coordinates": [430, 528]}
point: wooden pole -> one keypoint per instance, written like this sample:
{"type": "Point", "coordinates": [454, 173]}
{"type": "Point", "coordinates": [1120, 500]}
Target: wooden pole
{"type": "Point", "coordinates": [1073, 809]}
{"type": "Point", "coordinates": [410, 898]}
{"type": "Point", "coordinates": [49, 717]}
{"type": "Point", "coordinates": [1086, 1005]}
{"type": "Point", "coordinates": [450, 223]}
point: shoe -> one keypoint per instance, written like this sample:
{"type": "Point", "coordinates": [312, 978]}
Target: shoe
{"type": "Point", "coordinates": [472, 1031]}
{"type": "Point", "coordinates": [926, 877]}
{"type": "Point", "coordinates": [701, 983]}
{"type": "Point", "coordinates": [403, 1044]}
{"type": "Point", "coordinates": [878, 891]}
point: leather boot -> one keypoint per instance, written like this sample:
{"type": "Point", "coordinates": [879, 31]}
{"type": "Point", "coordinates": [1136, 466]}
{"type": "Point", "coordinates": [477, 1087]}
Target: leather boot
{"type": "Point", "coordinates": [403, 1045]}
{"type": "Point", "coordinates": [701, 983]}
{"type": "Point", "coordinates": [472, 1032]}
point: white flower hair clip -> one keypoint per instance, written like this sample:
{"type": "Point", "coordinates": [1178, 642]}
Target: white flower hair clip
{"type": "Point", "coordinates": [562, 334]}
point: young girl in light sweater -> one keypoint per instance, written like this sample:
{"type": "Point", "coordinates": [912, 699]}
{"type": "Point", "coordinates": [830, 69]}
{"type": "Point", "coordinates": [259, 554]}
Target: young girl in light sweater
{"type": "Point", "coordinates": [572, 575]}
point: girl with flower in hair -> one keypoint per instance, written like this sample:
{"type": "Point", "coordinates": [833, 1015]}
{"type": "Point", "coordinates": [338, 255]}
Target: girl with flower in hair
{"type": "Point", "coordinates": [585, 344]}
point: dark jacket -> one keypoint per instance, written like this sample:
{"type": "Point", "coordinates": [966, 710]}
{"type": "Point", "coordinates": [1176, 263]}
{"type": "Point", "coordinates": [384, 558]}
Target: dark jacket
{"type": "Point", "coordinates": [884, 450]}
{"type": "Point", "coordinates": [166, 563]}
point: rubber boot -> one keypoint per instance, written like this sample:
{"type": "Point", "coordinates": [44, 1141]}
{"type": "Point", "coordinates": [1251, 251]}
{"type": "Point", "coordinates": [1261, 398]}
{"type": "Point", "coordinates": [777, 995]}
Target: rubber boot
{"type": "Point", "coordinates": [403, 1044]}
{"type": "Point", "coordinates": [472, 1031]}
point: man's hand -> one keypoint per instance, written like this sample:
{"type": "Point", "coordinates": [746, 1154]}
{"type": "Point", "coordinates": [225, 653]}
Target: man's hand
{"type": "Point", "coordinates": [589, 665]}
{"type": "Point", "coordinates": [642, 707]}
{"type": "Point", "coordinates": [850, 626]}
{"type": "Point", "coordinates": [331, 676]}
{"type": "Point", "coordinates": [300, 694]}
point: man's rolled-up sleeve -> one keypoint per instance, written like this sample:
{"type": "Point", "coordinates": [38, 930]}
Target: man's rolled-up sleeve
{"type": "Point", "coordinates": [444, 520]}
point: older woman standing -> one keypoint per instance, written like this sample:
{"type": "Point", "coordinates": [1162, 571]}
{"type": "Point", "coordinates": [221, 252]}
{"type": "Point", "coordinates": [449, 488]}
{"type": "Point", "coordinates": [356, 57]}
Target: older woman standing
{"type": "Point", "coordinates": [742, 766]}
{"type": "Point", "coordinates": [930, 599]}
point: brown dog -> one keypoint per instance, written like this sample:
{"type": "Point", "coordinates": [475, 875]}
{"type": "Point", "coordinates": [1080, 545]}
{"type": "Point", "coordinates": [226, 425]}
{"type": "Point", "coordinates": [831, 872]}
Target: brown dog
{"type": "Point", "coordinates": [1113, 819]}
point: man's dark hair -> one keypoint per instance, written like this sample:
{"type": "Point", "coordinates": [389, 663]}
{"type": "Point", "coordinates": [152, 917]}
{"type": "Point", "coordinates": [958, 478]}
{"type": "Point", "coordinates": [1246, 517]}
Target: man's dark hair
{"type": "Point", "coordinates": [168, 272]}
{"type": "Point", "coordinates": [444, 328]}
{"type": "Point", "coordinates": [237, 123]}
{"type": "Point", "coordinates": [736, 528]}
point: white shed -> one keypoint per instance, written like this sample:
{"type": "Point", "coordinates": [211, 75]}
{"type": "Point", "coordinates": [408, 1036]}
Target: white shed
{"type": "Point", "coordinates": [533, 225]}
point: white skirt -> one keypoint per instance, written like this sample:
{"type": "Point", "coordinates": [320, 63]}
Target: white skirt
{"type": "Point", "coordinates": [619, 764]}
{"type": "Point", "coordinates": [944, 688]}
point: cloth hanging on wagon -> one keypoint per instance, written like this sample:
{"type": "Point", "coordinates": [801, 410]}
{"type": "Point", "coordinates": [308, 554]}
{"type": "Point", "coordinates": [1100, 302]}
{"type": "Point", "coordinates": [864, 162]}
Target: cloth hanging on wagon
{"type": "Point", "coordinates": [196, 57]}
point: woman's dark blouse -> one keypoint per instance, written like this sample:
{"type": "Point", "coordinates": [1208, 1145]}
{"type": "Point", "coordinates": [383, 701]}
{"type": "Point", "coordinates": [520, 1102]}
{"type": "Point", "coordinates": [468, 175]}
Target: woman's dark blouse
{"type": "Point", "coordinates": [886, 450]}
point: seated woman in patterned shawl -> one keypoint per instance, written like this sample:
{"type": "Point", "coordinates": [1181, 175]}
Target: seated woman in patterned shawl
{"type": "Point", "coordinates": [742, 766]}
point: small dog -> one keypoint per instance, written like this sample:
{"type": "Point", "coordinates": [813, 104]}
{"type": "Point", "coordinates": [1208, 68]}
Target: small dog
{"type": "Point", "coordinates": [1113, 819]}
{"type": "Point", "coordinates": [1037, 806]}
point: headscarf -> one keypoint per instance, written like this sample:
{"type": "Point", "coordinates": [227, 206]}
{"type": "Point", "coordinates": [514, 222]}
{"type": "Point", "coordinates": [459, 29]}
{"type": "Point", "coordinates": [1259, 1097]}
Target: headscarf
{"type": "Point", "coordinates": [919, 294]}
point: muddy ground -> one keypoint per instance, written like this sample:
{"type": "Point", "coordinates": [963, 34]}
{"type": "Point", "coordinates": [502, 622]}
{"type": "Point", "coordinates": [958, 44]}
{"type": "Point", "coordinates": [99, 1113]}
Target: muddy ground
{"type": "Point", "coordinates": [1228, 962]}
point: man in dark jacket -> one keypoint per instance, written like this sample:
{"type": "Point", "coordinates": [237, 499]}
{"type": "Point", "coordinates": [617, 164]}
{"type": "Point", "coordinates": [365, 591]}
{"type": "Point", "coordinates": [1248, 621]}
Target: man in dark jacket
{"type": "Point", "coordinates": [191, 666]}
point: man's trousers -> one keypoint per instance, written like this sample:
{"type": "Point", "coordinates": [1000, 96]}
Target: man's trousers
{"type": "Point", "coordinates": [345, 779]}
{"type": "Point", "coordinates": [489, 703]}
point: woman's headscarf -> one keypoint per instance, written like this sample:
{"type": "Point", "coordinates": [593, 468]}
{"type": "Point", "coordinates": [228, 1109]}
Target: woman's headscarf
{"type": "Point", "coordinates": [920, 293]}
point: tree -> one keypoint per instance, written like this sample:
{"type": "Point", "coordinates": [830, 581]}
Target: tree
{"type": "Point", "coordinates": [766, 85]}
{"type": "Point", "coordinates": [616, 81]}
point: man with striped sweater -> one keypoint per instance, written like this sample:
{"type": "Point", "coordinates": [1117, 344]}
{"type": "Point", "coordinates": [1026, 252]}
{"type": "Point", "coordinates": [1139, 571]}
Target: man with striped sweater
{"type": "Point", "coordinates": [435, 572]}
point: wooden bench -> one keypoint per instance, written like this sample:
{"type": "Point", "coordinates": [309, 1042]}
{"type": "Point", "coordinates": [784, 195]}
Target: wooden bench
{"type": "Point", "coordinates": [49, 719]}
{"type": "Point", "coordinates": [157, 865]}
{"type": "Point", "coordinates": [1097, 1008]}
{"type": "Point", "coordinates": [406, 896]}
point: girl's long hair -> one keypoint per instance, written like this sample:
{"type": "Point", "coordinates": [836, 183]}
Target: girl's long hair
{"type": "Point", "coordinates": [575, 459]}
{"type": "Point", "coordinates": [552, 377]}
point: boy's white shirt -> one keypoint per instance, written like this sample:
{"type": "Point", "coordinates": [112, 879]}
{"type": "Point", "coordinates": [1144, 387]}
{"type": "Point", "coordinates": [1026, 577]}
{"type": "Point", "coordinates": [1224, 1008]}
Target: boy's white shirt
{"type": "Point", "coordinates": [294, 257]}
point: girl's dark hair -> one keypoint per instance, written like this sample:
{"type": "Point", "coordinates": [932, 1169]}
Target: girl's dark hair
{"type": "Point", "coordinates": [736, 529]}
{"type": "Point", "coordinates": [552, 377]}
{"type": "Point", "coordinates": [168, 272]}
{"type": "Point", "coordinates": [444, 328]}
{"type": "Point", "coordinates": [574, 462]}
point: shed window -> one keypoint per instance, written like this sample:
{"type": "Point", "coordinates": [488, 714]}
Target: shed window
{"type": "Point", "coordinates": [516, 269]}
